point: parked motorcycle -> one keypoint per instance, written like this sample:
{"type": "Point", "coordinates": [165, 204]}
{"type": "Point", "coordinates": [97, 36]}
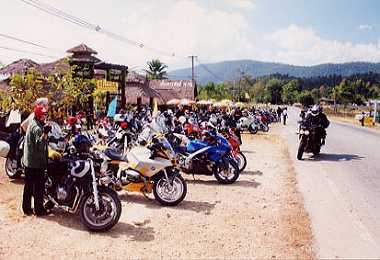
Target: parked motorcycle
{"type": "Point", "coordinates": [150, 169]}
{"type": "Point", "coordinates": [212, 156]}
{"type": "Point", "coordinates": [72, 185]}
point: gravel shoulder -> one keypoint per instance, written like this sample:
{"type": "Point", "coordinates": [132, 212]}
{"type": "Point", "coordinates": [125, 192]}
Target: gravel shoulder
{"type": "Point", "coordinates": [260, 216]}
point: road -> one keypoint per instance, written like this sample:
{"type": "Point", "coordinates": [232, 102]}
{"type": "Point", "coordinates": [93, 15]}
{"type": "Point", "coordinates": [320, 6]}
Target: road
{"type": "Point", "coordinates": [341, 190]}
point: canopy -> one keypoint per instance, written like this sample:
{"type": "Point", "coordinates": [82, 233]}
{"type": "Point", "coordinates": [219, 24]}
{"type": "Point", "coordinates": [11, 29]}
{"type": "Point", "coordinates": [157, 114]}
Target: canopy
{"type": "Point", "coordinates": [173, 101]}
{"type": "Point", "coordinates": [186, 102]}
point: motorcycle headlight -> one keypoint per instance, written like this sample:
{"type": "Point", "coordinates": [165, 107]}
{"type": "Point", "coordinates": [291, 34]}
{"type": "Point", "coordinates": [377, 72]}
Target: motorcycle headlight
{"type": "Point", "coordinates": [307, 132]}
{"type": "Point", "coordinates": [302, 132]}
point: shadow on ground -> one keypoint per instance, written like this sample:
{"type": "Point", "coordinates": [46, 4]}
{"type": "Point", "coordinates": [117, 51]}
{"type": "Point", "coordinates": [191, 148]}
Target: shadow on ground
{"type": "Point", "coordinates": [196, 206]}
{"type": "Point", "coordinates": [252, 173]}
{"type": "Point", "coordinates": [335, 157]}
{"type": "Point", "coordinates": [134, 233]}
{"type": "Point", "coordinates": [239, 183]}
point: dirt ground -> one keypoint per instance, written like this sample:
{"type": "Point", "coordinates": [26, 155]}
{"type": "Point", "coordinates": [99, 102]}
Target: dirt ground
{"type": "Point", "coordinates": [260, 216]}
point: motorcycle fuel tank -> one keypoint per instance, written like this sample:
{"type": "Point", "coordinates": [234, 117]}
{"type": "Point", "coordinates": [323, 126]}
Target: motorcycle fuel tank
{"type": "Point", "coordinates": [139, 160]}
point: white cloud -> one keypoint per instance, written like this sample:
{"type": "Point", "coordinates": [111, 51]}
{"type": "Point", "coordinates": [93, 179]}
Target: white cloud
{"type": "Point", "coordinates": [365, 27]}
{"type": "Point", "coordinates": [298, 45]}
{"type": "Point", "coordinates": [244, 4]}
{"type": "Point", "coordinates": [185, 27]}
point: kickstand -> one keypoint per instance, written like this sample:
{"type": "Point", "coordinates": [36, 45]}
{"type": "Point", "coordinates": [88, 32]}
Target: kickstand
{"type": "Point", "coordinates": [193, 177]}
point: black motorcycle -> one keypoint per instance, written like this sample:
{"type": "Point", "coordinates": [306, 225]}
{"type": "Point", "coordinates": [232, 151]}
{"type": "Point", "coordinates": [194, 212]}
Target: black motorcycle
{"type": "Point", "coordinates": [13, 165]}
{"type": "Point", "coordinates": [72, 185]}
{"type": "Point", "coordinates": [310, 139]}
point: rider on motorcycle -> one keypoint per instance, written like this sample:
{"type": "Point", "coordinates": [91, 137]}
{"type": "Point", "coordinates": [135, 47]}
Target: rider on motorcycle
{"type": "Point", "coordinates": [316, 117]}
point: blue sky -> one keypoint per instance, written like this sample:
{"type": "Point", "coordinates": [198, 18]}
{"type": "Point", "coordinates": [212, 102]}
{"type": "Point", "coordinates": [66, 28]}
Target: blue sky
{"type": "Point", "coordinates": [290, 31]}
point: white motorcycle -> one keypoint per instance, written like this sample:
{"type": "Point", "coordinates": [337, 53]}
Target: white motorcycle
{"type": "Point", "coordinates": [150, 169]}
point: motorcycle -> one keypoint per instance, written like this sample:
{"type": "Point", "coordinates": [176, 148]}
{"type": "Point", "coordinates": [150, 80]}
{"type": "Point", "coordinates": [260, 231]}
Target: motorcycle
{"type": "Point", "coordinates": [72, 185]}
{"type": "Point", "coordinates": [150, 169]}
{"type": "Point", "coordinates": [248, 124]}
{"type": "Point", "coordinates": [212, 157]}
{"type": "Point", "coordinates": [235, 144]}
{"type": "Point", "coordinates": [13, 165]}
{"type": "Point", "coordinates": [310, 140]}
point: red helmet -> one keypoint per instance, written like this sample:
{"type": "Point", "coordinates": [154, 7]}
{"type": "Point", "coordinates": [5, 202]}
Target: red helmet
{"type": "Point", "coordinates": [124, 125]}
{"type": "Point", "coordinates": [71, 120]}
{"type": "Point", "coordinates": [39, 111]}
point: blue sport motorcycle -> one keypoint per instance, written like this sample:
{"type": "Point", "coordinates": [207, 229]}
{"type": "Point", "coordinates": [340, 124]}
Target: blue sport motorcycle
{"type": "Point", "coordinates": [211, 156]}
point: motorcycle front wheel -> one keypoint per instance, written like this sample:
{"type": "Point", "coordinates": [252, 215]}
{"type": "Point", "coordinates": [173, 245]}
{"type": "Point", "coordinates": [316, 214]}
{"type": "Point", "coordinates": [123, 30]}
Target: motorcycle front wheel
{"type": "Point", "coordinates": [265, 128]}
{"type": "Point", "coordinates": [11, 169]}
{"type": "Point", "coordinates": [108, 214]}
{"type": "Point", "coordinates": [170, 194]}
{"type": "Point", "coordinates": [227, 175]}
{"type": "Point", "coordinates": [241, 160]}
{"type": "Point", "coordinates": [301, 149]}
{"type": "Point", "coordinates": [252, 129]}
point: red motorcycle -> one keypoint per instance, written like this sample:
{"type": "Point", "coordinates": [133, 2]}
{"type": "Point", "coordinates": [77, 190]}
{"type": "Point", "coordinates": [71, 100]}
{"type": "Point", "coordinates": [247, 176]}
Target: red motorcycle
{"type": "Point", "coordinates": [235, 144]}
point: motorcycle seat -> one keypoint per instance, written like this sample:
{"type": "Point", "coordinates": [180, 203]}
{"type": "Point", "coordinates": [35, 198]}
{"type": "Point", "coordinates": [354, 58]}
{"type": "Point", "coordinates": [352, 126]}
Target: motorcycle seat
{"type": "Point", "coordinates": [114, 155]}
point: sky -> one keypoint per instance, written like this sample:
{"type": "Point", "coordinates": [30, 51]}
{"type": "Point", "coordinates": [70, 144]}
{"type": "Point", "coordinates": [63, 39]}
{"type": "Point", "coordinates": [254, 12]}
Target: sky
{"type": "Point", "coordinates": [298, 32]}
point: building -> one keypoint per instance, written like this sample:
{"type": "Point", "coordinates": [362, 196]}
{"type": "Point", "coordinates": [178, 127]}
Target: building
{"type": "Point", "coordinates": [140, 90]}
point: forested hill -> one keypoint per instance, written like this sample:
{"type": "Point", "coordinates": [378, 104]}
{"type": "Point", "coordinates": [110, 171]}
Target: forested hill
{"type": "Point", "coordinates": [231, 70]}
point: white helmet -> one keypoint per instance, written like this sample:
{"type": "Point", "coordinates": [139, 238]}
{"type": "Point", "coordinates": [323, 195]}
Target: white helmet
{"type": "Point", "coordinates": [182, 119]}
{"type": "Point", "coordinates": [118, 118]}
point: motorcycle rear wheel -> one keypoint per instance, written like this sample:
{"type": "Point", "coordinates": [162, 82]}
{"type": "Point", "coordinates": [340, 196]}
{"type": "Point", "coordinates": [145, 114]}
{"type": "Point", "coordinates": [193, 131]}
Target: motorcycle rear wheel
{"type": "Point", "coordinates": [163, 193]}
{"type": "Point", "coordinates": [108, 214]}
{"type": "Point", "coordinates": [12, 173]}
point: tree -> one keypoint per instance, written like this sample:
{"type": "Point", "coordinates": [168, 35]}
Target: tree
{"type": "Point", "coordinates": [273, 91]}
{"type": "Point", "coordinates": [290, 91]}
{"type": "Point", "coordinates": [156, 69]}
{"type": "Point", "coordinates": [306, 98]}
{"type": "Point", "coordinates": [257, 92]}
{"type": "Point", "coordinates": [25, 89]}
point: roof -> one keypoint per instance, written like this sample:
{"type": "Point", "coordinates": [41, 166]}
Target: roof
{"type": "Point", "coordinates": [134, 77]}
{"type": "Point", "coordinates": [170, 89]}
{"type": "Point", "coordinates": [132, 92]}
{"type": "Point", "coordinates": [18, 67]}
{"type": "Point", "coordinates": [82, 48]}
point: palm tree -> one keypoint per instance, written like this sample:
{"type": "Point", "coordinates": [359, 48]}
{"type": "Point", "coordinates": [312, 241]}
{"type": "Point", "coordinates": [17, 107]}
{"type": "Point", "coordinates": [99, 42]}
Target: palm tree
{"type": "Point", "coordinates": [156, 69]}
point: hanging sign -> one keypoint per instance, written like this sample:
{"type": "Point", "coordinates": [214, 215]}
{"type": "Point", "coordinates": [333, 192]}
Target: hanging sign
{"type": "Point", "coordinates": [107, 86]}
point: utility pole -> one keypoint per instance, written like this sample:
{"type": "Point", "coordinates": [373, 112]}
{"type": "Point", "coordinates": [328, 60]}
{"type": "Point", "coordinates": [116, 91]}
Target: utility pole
{"type": "Point", "coordinates": [192, 68]}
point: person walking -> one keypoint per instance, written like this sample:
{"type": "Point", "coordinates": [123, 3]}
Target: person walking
{"type": "Point", "coordinates": [284, 115]}
{"type": "Point", "coordinates": [279, 113]}
{"type": "Point", "coordinates": [35, 160]}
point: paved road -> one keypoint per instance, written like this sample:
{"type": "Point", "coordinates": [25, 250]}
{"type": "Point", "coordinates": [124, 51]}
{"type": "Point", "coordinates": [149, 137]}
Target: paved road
{"type": "Point", "coordinates": [341, 188]}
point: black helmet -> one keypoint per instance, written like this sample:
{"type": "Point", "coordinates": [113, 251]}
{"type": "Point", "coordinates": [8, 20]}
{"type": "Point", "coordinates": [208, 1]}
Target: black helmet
{"type": "Point", "coordinates": [82, 144]}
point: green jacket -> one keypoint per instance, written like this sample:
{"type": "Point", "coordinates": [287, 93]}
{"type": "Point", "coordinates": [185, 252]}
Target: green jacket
{"type": "Point", "coordinates": [35, 147]}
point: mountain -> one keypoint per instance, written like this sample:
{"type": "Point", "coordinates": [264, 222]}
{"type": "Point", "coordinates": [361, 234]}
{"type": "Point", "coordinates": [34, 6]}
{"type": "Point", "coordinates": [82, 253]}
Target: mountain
{"type": "Point", "coordinates": [229, 70]}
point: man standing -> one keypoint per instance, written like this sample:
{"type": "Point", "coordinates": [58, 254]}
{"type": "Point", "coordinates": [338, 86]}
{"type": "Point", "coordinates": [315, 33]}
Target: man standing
{"type": "Point", "coordinates": [284, 115]}
{"type": "Point", "coordinates": [35, 160]}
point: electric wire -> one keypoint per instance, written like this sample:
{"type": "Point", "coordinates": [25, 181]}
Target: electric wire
{"type": "Point", "coordinates": [84, 24]}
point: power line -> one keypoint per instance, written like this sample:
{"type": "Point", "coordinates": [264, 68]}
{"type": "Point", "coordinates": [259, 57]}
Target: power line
{"type": "Point", "coordinates": [27, 52]}
{"type": "Point", "coordinates": [209, 71]}
{"type": "Point", "coordinates": [27, 42]}
{"type": "Point", "coordinates": [80, 22]}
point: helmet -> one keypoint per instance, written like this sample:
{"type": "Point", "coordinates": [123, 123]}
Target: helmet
{"type": "Point", "coordinates": [82, 143]}
{"type": "Point", "coordinates": [315, 110]}
{"type": "Point", "coordinates": [71, 120]}
{"type": "Point", "coordinates": [118, 118]}
{"type": "Point", "coordinates": [182, 119]}
{"type": "Point", "coordinates": [39, 111]}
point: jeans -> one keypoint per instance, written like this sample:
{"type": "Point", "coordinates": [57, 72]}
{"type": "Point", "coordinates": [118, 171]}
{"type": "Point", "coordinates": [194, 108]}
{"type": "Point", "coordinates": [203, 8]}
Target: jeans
{"type": "Point", "coordinates": [34, 187]}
